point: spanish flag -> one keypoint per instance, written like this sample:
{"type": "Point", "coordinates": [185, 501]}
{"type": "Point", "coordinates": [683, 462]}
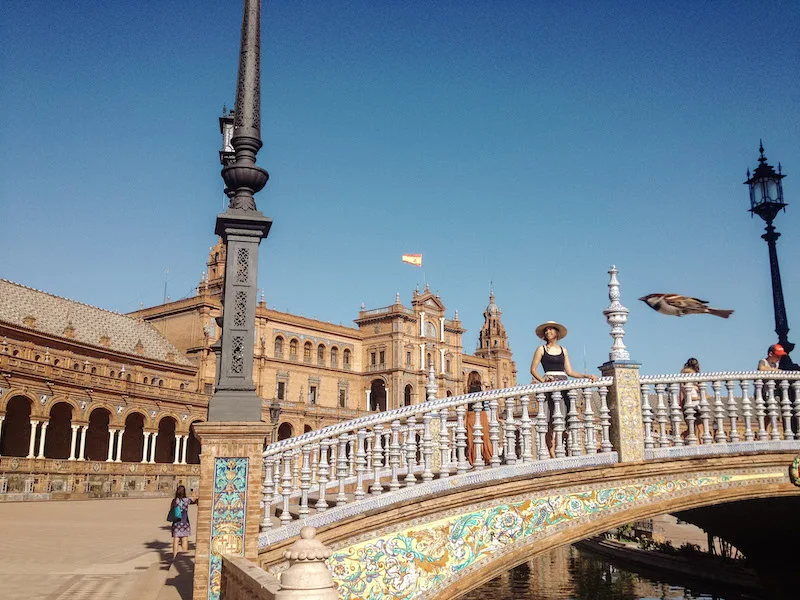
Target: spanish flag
{"type": "Point", "coordinates": [413, 259]}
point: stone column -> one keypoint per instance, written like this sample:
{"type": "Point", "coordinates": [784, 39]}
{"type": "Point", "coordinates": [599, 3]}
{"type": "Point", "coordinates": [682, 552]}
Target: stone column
{"type": "Point", "coordinates": [72, 442]}
{"type": "Point", "coordinates": [32, 443]}
{"type": "Point", "coordinates": [111, 434]}
{"type": "Point", "coordinates": [2, 418]}
{"type": "Point", "coordinates": [120, 433]}
{"type": "Point", "coordinates": [183, 453]}
{"type": "Point", "coordinates": [145, 446]}
{"type": "Point", "coordinates": [84, 431]}
{"type": "Point", "coordinates": [42, 437]}
{"type": "Point", "coordinates": [624, 395]}
{"type": "Point", "coordinates": [177, 451]}
{"type": "Point", "coordinates": [230, 476]}
{"type": "Point", "coordinates": [153, 448]}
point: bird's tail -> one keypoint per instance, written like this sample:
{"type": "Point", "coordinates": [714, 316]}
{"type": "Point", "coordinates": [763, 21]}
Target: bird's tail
{"type": "Point", "coordinates": [720, 312]}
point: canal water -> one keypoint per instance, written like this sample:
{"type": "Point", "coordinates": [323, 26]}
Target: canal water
{"type": "Point", "coordinates": [568, 573]}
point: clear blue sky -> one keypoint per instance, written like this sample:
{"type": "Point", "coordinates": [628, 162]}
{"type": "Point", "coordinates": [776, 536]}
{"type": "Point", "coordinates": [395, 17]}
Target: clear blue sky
{"type": "Point", "coordinates": [531, 144]}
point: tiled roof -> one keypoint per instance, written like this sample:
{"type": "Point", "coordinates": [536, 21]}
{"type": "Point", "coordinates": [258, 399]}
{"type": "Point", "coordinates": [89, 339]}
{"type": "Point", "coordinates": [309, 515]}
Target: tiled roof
{"type": "Point", "coordinates": [39, 311]}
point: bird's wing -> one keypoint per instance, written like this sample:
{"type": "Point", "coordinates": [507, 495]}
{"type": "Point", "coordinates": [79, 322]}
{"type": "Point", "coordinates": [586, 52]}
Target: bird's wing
{"type": "Point", "coordinates": [679, 301]}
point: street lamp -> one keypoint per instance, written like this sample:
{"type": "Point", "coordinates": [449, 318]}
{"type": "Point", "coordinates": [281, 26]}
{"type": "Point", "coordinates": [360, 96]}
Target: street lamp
{"type": "Point", "coordinates": [766, 201]}
{"type": "Point", "coordinates": [274, 417]}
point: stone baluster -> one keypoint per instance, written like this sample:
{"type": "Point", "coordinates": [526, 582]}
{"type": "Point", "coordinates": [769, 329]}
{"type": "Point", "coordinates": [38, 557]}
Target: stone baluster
{"type": "Point", "coordinates": [541, 427]}
{"type": "Point", "coordinates": [772, 410]}
{"type": "Point", "coordinates": [477, 436]}
{"type": "Point", "coordinates": [705, 415]}
{"type": "Point", "coordinates": [719, 413]}
{"type": "Point", "coordinates": [42, 437]}
{"type": "Point", "coordinates": [72, 442]}
{"type": "Point", "coordinates": [647, 417]}
{"type": "Point", "coordinates": [605, 421]}
{"type": "Point", "coordinates": [276, 480]}
{"type": "Point", "coordinates": [733, 410]}
{"type": "Point", "coordinates": [510, 437]}
{"type": "Point", "coordinates": [558, 426]}
{"type": "Point", "coordinates": [322, 479]}
{"type": "Point", "coordinates": [267, 492]}
{"type": "Point", "coordinates": [286, 487]}
{"type": "Point", "coordinates": [525, 430]}
{"type": "Point", "coordinates": [689, 412]}
{"type": "Point", "coordinates": [111, 435]}
{"type": "Point", "coordinates": [573, 425]}
{"type": "Point", "coordinates": [361, 463]}
{"type": "Point", "coordinates": [305, 479]}
{"type": "Point", "coordinates": [786, 411]}
{"type": "Point", "coordinates": [494, 433]}
{"type": "Point", "coordinates": [676, 417]}
{"type": "Point", "coordinates": [588, 423]}
{"type": "Point", "coordinates": [394, 455]}
{"type": "Point", "coordinates": [351, 455]}
{"type": "Point", "coordinates": [444, 443]}
{"type": "Point", "coordinates": [177, 450]}
{"type": "Point", "coordinates": [761, 412]}
{"type": "Point", "coordinates": [747, 410]}
{"type": "Point", "coordinates": [403, 439]}
{"type": "Point", "coordinates": [387, 439]}
{"type": "Point", "coordinates": [796, 388]}
{"type": "Point", "coordinates": [662, 414]}
{"type": "Point", "coordinates": [427, 447]}
{"type": "Point", "coordinates": [145, 446]}
{"type": "Point", "coordinates": [153, 448]}
{"type": "Point", "coordinates": [32, 441]}
{"type": "Point", "coordinates": [377, 461]}
{"type": "Point", "coordinates": [315, 449]}
{"type": "Point", "coordinates": [82, 453]}
{"type": "Point", "coordinates": [341, 471]}
{"type": "Point", "coordinates": [296, 459]}
{"type": "Point", "coordinates": [411, 450]}
{"type": "Point", "coordinates": [462, 466]}
{"type": "Point", "coordinates": [369, 446]}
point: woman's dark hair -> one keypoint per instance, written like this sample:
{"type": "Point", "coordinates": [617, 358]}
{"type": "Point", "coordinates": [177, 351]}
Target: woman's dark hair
{"type": "Point", "coordinates": [180, 492]}
{"type": "Point", "coordinates": [693, 364]}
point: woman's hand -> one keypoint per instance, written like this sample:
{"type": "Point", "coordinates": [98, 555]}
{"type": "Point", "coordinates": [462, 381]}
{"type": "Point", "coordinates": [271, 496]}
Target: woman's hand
{"type": "Point", "coordinates": [548, 378]}
{"type": "Point", "coordinates": [592, 377]}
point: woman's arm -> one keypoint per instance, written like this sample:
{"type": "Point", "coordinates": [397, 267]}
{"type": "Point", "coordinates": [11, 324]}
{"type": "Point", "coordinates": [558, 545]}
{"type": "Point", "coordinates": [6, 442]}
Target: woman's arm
{"type": "Point", "coordinates": [537, 358]}
{"type": "Point", "coordinates": [568, 368]}
{"type": "Point", "coordinates": [763, 365]}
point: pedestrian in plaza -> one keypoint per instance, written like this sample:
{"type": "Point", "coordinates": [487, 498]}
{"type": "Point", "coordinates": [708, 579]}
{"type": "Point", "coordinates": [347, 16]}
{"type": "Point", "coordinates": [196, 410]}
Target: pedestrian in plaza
{"type": "Point", "coordinates": [774, 355]}
{"type": "Point", "coordinates": [179, 516]}
{"type": "Point", "coordinates": [555, 363]}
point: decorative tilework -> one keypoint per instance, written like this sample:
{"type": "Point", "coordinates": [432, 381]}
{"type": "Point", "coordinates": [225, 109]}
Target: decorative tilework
{"type": "Point", "coordinates": [227, 516]}
{"type": "Point", "coordinates": [425, 558]}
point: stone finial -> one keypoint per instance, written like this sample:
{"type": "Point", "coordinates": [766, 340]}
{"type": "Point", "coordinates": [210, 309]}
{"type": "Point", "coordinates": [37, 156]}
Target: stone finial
{"type": "Point", "coordinates": [307, 575]}
{"type": "Point", "coordinates": [616, 316]}
{"type": "Point", "coordinates": [455, 317]}
{"type": "Point", "coordinates": [431, 386]}
{"type": "Point", "coordinates": [397, 298]}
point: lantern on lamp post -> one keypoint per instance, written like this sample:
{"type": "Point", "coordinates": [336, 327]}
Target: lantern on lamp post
{"type": "Point", "coordinates": [766, 201]}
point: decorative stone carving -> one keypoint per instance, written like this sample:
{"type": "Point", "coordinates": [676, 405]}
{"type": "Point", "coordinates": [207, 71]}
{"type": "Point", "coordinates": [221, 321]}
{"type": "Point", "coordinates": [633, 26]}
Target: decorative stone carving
{"type": "Point", "coordinates": [616, 316]}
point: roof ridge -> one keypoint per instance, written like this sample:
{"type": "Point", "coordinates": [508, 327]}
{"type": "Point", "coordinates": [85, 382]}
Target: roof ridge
{"type": "Point", "coordinates": [33, 289]}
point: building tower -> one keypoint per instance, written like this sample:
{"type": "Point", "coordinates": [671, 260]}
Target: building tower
{"type": "Point", "coordinates": [493, 345]}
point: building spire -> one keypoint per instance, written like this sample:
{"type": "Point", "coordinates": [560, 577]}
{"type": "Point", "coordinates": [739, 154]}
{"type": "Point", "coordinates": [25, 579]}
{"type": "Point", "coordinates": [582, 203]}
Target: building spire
{"type": "Point", "coordinates": [243, 178]}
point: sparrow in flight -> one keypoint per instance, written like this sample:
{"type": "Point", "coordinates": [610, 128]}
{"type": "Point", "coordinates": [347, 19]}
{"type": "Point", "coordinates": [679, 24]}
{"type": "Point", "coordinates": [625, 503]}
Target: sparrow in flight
{"type": "Point", "coordinates": [677, 305]}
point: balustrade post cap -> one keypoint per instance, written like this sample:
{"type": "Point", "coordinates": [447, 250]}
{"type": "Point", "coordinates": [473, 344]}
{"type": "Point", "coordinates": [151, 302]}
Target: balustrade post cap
{"type": "Point", "coordinates": [307, 548]}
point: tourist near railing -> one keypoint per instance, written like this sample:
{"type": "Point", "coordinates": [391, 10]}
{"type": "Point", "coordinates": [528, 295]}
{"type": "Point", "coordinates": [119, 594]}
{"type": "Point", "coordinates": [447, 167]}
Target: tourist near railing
{"type": "Point", "coordinates": [417, 444]}
{"type": "Point", "coordinates": [695, 414]}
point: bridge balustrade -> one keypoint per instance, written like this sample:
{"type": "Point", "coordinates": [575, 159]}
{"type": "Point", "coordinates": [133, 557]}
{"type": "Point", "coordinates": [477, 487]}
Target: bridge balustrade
{"type": "Point", "coordinates": [721, 412]}
{"type": "Point", "coordinates": [345, 463]}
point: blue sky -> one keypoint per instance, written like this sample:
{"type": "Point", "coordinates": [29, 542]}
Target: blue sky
{"type": "Point", "coordinates": [531, 144]}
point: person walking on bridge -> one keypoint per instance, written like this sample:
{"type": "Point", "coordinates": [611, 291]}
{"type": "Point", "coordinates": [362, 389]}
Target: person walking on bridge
{"type": "Point", "coordinates": [555, 363]}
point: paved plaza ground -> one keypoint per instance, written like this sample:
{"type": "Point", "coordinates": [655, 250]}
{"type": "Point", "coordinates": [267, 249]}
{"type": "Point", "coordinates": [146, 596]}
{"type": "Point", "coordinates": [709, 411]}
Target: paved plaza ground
{"type": "Point", "coordinates": [93, 549]}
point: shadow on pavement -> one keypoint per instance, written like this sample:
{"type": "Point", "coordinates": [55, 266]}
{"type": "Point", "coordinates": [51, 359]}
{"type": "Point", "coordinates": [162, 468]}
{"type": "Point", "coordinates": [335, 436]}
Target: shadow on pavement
{"type": "Point", "coordinates": [182, 580]}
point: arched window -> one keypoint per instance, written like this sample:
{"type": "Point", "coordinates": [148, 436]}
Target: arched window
{"type": "Point", "coordinates": [181, 387]}
{"type": "Point", "coordinates": [407, 396]}
{"type": "Point", "coordinates": [293, 349]}
{"type": "Point", "coordinates": [307, 352]}
{"type": "Point", "coordinates": [76, 366]}
{"type": "Point", "coordinates": [128, 377]}
{"type": "Point", "coordinates": [94, 370]}
{"type": "Point", "coordinates": [321, 354]}
{"type": "Point", "coordinates": [113, 373]}
{"type": "Point", "coordinates": [56, 362]}
{"type": "Point", "coordinates": [160, 383]}
{"type": "Point", "coordinates": [346, 359]}
{"type": "Point", "coordinates": [334, 356]}
{"type": "Point", "coordinates": [145, 381]}
{"type": "Point", "coordinates": [279, 347]}
{"type": "Point", "coordinates": [37, 358]}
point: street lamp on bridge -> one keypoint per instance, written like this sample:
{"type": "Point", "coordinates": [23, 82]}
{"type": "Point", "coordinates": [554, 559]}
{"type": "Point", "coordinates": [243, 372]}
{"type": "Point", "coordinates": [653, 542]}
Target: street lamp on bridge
{"type": "Point", "coordinates": [766, 201]}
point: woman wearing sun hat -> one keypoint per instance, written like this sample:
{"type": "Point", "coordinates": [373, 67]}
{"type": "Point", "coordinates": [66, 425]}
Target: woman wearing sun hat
{"type": "Point", "coordinates": [554, 359]}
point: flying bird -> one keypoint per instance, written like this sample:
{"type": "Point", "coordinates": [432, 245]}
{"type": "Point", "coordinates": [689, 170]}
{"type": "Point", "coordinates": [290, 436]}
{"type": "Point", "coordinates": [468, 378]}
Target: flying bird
{"type": "Point", "coordinates": [677, 305]}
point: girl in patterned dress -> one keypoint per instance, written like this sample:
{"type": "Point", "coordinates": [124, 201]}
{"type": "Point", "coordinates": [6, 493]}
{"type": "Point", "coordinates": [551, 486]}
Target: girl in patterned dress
{"type": "Point", "coordinates": [181, 530]}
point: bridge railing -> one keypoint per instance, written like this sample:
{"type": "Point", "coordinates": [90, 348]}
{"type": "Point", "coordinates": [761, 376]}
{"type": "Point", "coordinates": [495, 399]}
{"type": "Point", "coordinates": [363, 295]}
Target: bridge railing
{"type": "Point", "coordinates": [691, 414]}
{"type": "Point", "coordinates": [382, 453]}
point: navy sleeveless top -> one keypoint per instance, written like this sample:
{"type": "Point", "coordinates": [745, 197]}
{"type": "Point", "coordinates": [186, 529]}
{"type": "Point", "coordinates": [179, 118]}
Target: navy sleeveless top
{"type": "Point", "coordinates": [552, 362]}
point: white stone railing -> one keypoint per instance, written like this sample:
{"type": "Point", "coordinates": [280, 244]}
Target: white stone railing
{"type": "Point", "coordinates": [378, 454]}
{"type": "Point", "coordinates": [721, 412]}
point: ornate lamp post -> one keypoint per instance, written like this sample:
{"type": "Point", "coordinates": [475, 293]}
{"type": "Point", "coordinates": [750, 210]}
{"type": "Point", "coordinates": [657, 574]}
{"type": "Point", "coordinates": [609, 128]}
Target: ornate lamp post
{"type": "Point", "coordinates": [274, 417]}
{"type": "Point", "coordinates": [766, 201]}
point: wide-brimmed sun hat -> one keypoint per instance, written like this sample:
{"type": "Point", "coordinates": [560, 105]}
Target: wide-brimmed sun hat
{"type": "Point", "coordinates": [562, 331]}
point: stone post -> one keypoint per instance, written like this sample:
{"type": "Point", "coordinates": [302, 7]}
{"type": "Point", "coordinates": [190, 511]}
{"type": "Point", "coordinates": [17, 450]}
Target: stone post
{"type": "Point", "coordinates": [624, 395]}
{"type": "Point", "coordinates": [229, 511]}
{"type": "Point", "coordinates": [307, 577]}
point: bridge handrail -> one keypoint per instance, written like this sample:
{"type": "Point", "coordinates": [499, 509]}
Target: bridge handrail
{"type": "Point", "coordinates": [282, 446]}
{"type": "Point", "coordinates": [718, 376]}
